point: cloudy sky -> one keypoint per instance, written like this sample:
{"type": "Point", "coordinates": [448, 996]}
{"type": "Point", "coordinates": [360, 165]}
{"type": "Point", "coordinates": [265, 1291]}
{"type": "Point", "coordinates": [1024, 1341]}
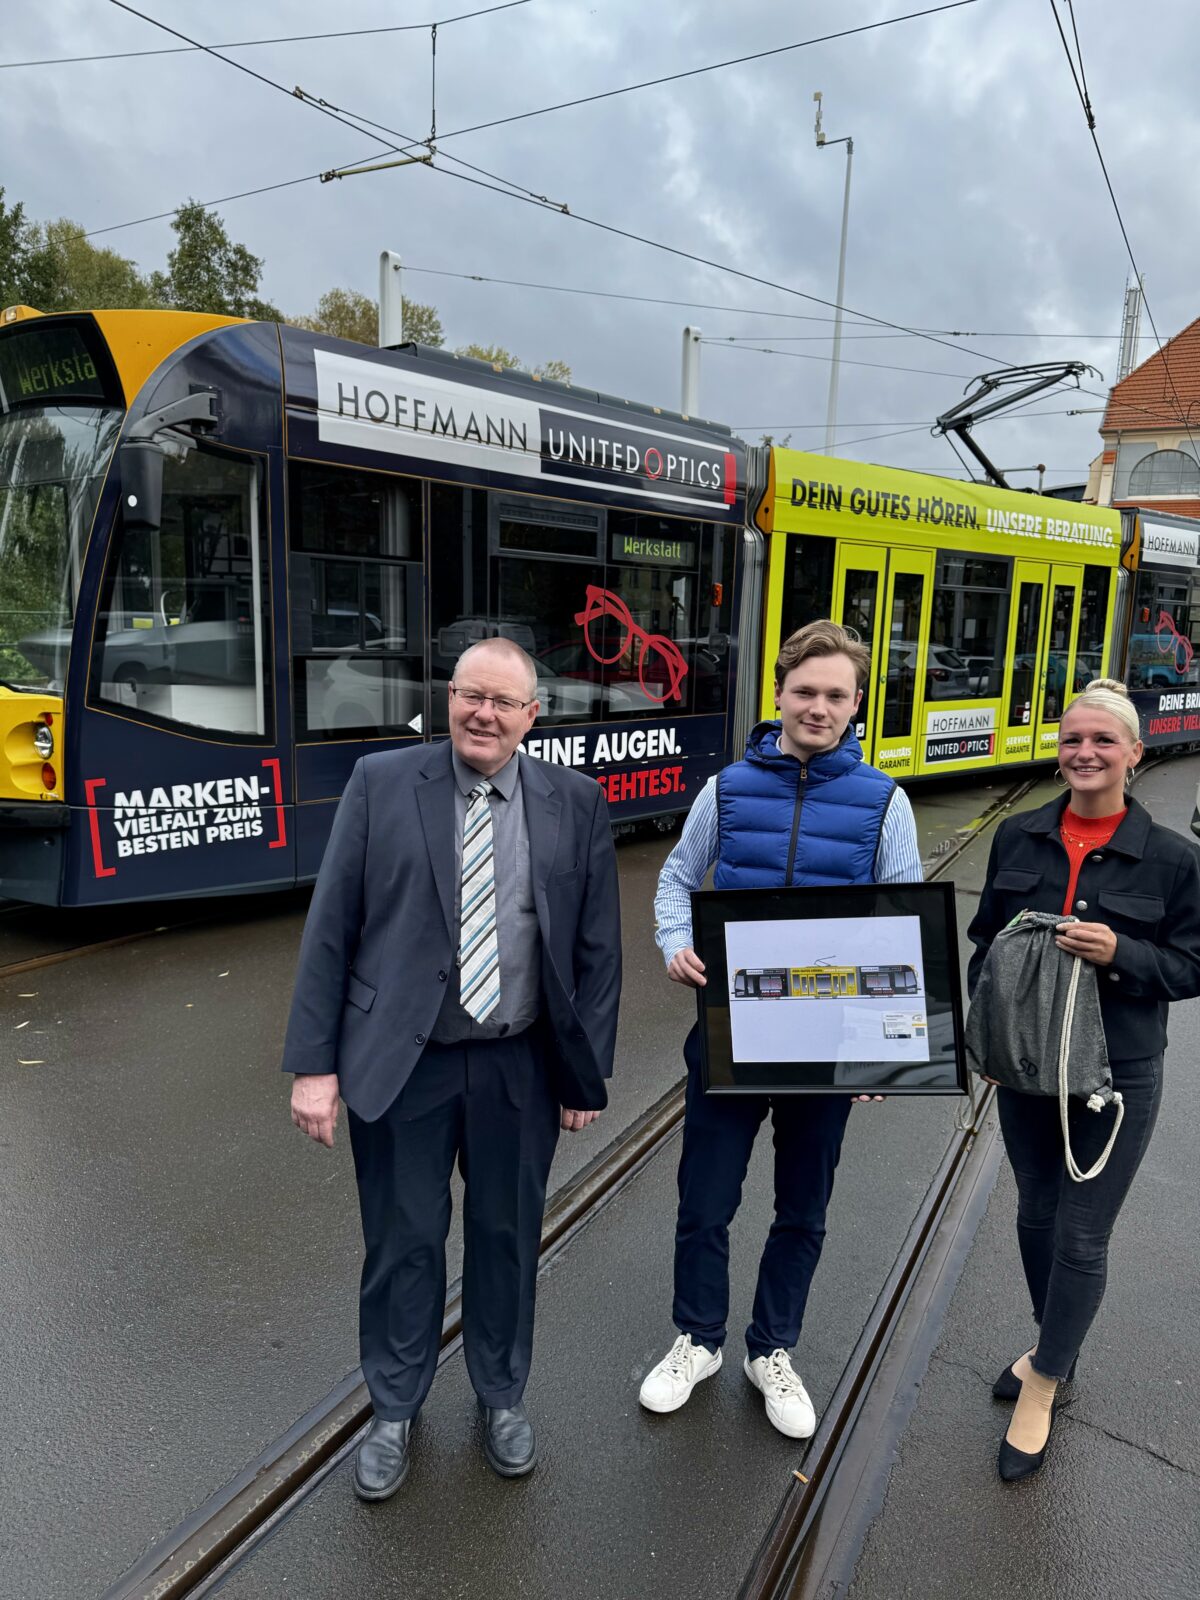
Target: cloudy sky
{"type": "Point", "coordinates": [977, 203]}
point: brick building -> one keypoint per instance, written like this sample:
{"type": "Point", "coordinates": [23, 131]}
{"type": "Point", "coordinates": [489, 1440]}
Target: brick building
{"type": "Point", "coordinates": [1149, 459]}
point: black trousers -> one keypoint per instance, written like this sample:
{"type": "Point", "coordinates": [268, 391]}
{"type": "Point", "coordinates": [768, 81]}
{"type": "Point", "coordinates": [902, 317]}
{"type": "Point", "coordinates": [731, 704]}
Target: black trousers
{"type": "Point", "coordinates": [1063, 1227]}
{"type": "Point", "coordinates": [718, 1137]}
{"type": "Point", "coordinates": [489, 1105]}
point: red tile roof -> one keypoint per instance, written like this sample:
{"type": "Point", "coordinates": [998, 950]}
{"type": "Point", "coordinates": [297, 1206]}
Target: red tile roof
{"type": "Point", "coordinates": [1174, 507]}
{"type": "Point", "coordinates": [1146, 398]}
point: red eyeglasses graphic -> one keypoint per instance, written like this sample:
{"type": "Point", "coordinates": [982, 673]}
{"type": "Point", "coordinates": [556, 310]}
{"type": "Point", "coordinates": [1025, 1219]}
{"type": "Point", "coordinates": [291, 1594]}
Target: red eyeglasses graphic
{"type": "Point", "coordinates": [606, 645]}
{"type": "Point", "coordinates": [1169, 638]}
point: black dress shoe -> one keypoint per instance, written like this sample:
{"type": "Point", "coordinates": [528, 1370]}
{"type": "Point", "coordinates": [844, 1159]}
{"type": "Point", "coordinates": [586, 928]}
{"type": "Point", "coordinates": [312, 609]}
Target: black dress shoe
{"type": "Point", "coordinates": [381, 1465]}
{"type": "Point", "coordinates": [1014, 1464]}
{"type": "Point", "coordinates": [508, 1440]}
{"type": "Point", "coordinates": [1008, 1386]}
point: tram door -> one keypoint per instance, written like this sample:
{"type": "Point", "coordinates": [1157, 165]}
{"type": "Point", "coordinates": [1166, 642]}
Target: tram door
{"type": "Point", "coordinates": [1043, 626]}
{"type": "Point", "coordinates": [858, 588]}
{"type": "Point", "coordinates": [900, 661]}
{"type": "Point", "coordinates": [1058, 662]}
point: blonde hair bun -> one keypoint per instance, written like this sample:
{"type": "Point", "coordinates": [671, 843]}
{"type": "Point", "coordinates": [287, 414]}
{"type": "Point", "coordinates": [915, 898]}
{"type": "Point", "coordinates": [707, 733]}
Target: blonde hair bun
{"type": "Point", "coordinates": [1111, 696]}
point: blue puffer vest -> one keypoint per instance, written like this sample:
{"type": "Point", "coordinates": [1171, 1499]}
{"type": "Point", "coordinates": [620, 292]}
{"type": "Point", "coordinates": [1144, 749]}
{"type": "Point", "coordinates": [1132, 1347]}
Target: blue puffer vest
{"type": "Point", "coordinates": [823, 818]}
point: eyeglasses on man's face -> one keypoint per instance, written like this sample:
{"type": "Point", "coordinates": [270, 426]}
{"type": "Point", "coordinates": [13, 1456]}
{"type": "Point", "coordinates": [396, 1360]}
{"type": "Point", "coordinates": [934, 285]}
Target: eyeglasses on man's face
{"type": "Point", "coordinates": [502, 704]}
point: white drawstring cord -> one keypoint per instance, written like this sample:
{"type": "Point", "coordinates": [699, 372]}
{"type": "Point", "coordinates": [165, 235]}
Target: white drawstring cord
{"type": "Point", "coordinates": [1094, 1102]}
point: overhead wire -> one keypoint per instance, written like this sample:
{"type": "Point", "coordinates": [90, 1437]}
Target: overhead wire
{"type": "Point", "coordinates": [804, 355]}
{"type": "Point", "coordinates": [715, 66]}
{"type": "Point", "coordinates": [527, 196]}
{"type": "Point", "coordinates": [518, 192]}
{"type": "Point", "coordinates": [249, 44]}
{"type": "Point", "coordinates": [1090, 116]}
{"type": "Point", "coordinates": [240, 66]}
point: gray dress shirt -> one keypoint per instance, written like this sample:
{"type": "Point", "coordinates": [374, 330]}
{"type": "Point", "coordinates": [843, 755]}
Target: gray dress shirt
{"type": "Point", "coordinates": [518, 938]}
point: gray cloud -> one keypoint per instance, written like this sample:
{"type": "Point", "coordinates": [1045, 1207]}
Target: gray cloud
{"type": "Point", "coordinates": [977, 200]}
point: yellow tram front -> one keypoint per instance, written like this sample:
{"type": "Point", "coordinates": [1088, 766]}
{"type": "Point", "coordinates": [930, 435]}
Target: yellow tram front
{"type": "Point", "coordinates": [986, 609]}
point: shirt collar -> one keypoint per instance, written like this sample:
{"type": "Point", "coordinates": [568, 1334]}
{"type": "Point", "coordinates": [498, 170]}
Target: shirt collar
{"type": "Point", "coordinates": [503, 782]}
{"type": "Point", "coordinates": [1129, 840]}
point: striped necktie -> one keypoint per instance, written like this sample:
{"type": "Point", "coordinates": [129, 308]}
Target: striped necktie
{"type": "Point", "coordinates": [478, 956]}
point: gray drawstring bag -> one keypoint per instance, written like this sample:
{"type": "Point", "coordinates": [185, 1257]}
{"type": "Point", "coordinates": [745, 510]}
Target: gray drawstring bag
{"type": "Point", "coordinates": [1035, 1025]}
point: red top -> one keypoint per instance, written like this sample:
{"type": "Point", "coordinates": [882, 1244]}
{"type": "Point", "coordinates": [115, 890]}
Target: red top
{"type": "Point", "coordinates": [1080, 835]}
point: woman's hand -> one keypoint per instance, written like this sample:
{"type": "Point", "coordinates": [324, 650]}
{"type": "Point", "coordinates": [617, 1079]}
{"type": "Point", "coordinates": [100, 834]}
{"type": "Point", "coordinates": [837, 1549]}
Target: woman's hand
{"type": "Point", "coordinates": [1094, 941]}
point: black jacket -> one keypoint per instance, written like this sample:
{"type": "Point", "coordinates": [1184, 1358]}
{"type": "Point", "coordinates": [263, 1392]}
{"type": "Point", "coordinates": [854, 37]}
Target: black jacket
{"type": "Point", "coordinates": [1145, 884]}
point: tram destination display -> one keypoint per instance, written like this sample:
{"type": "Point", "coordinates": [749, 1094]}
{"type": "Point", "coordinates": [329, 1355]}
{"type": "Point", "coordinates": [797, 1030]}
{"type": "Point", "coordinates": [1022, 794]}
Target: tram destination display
{"type": "Point", "coordinates": [853, 989]}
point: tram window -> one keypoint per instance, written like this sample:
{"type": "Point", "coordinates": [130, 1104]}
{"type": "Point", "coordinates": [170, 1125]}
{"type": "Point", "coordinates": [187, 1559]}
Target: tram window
{"type": "Point", "coordinates": [1062, 619]}
{"type": "Point", "coordinates": [807, 582]}
{"type": "Point", "coordinates": [637, 630]}
{"type": "Point", "coordinates": [1166, 630]}
{"type": "Point", "coordinates": [1093, 613]}
{"type": "Point", "coordinates": [968, 630]}
{"type": "Point", "coordinates": [1025, 653]}
{"type": "Point", "coordinates": [366, 514]}
{"type": "Point", "coordinates": [904, 649]}
{"type": "Point", "coordinates": [182, 634]}
{"type": "Point", "coordinates": [859, 602]}
{"type": "Point", "coordinates": [356, 599]}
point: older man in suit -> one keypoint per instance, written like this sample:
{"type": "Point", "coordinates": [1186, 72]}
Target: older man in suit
{"type": "Point", "coordinates": [458, 987]}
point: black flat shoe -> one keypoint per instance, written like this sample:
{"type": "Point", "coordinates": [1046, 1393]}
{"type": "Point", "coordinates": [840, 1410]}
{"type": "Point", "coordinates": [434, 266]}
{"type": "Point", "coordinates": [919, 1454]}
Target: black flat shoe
{"type": "Point", "coordinates": [1008, 1386]}
{"type": "Point", "coordinates": [382, 1462]}
{"type": "Point", "coordinates": [508, 1440]}
{"type": "Point", "coordinates": [1013, 1465]}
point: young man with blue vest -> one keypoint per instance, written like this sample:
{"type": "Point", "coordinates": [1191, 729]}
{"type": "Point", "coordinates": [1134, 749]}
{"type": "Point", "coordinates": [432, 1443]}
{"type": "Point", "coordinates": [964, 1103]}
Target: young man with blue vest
{"type": "Point", "coordinates": [802, 807]}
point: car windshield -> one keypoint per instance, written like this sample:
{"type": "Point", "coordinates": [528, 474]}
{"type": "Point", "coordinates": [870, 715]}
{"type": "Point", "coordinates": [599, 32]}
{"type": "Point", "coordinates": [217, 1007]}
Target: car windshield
{"type": "Point", "coordinates": [52, 462]}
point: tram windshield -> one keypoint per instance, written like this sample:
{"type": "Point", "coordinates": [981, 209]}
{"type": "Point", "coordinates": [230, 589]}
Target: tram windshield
{"type": "Point", "coordinates": [52, 463]}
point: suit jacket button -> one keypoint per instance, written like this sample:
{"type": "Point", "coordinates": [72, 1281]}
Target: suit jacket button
{"type": "Point", "coordinates": [420, 1039]}
{"type": "Point", "coordinates": [1081, 905]}
{"type": "Point", "coordinates": [1114, 977]}
{"type": "Point", "coordinates": [442, 977]}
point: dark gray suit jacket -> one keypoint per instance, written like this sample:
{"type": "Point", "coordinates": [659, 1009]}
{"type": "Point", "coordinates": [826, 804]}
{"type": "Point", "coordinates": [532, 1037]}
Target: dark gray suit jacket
{"type": "Point", "coordinates": [378, 945]}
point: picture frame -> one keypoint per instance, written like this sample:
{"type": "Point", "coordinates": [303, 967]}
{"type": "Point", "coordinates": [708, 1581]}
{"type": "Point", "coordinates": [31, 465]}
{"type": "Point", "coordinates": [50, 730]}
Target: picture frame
{"type": "Point", "coordinates": [854, 989]}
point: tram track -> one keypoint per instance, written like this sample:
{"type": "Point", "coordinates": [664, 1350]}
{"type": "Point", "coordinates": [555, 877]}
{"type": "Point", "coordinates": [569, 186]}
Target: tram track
{"type": "Point", "coordinates": [201, 1551]}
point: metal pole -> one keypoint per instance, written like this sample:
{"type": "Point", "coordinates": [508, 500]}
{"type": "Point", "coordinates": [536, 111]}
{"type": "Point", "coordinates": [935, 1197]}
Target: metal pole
{"type": "Point", "coordinates": [391, 301]}
{"type": "Point", "coordinates": [831, 414]}
{"type": "Point", "coordinates": [689, 402]}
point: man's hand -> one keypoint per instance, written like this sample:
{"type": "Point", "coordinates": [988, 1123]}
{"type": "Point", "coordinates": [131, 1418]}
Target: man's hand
{"type": "Point", "coordinates": [315, 1105]}
{"type": "Point", "coordinates": [574, 1121]}
{"type": "Point", "coordinates": [1094, 941]}
{"type": "Point", "coordinates": [865, 1099]}
{"type": "Point", "coordinates": [685, 966]}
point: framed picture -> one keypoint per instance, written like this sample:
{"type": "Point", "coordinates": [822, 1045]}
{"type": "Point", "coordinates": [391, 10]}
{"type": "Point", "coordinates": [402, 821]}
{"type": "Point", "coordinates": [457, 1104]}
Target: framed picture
{"type": "Point", "coordinates": [853, 989]}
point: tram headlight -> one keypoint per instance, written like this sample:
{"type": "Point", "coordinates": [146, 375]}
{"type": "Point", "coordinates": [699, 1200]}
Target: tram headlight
{"type": "Point", "coordinates": [43, 741]}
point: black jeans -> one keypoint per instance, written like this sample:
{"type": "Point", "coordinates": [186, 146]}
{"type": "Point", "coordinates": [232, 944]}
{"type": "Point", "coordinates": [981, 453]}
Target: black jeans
{"type": "Point", "coordinates": [1063, 1227]}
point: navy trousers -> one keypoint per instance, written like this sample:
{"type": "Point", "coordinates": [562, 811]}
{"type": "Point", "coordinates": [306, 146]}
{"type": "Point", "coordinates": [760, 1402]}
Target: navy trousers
{"type": "Point", "coordinates": [1063, 1227]}
{"type": "Point", "coordinates": [490, 1106]}
{"type": "Point", "coordinates": [718, 1136]}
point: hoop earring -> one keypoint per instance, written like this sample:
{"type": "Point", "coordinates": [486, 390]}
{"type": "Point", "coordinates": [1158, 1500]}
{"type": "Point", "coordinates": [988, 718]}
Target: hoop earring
{"type": "Point", "coordinates": [1058, 777]}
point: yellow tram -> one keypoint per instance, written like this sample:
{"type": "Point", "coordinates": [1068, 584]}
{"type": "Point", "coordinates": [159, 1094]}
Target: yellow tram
{"type": "Point", "coordinates": [986, 609]}
{"type": "Point", "coordinates": [825, 981]}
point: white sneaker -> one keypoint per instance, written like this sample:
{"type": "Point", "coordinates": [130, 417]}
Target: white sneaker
{"type": "Point", "coordinates": [667, 1386]}
{"type": "Point", "coordinates": [788, 1406]}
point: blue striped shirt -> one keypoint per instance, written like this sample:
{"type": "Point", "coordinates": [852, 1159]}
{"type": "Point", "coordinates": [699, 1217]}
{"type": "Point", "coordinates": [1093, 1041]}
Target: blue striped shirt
{"type": "Point", "coordinates": [685, 869]}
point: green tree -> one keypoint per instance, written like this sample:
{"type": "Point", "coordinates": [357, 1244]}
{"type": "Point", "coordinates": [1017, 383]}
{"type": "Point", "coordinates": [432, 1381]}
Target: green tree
{"type": "Point", "coordinates": [87, 277]}
{"type": "Point", "coordinates": [498, 356]}
{"type": "Point", "coordinates": [208, 271]}
{"type": "Point", "coordinates": [26, 270]}
{"type": "Point", "coordinates": [347, 314]}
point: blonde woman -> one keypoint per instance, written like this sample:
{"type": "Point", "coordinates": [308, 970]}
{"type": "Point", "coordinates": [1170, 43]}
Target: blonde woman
{"type": "Point", "coordinates": [1134, 887]}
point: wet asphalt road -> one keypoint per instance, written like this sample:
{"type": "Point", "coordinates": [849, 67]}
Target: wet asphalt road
{"type": "Point", "coordinates": [1115, 1513]}
{"type": "Point", "coordinates": [179, 1268]}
